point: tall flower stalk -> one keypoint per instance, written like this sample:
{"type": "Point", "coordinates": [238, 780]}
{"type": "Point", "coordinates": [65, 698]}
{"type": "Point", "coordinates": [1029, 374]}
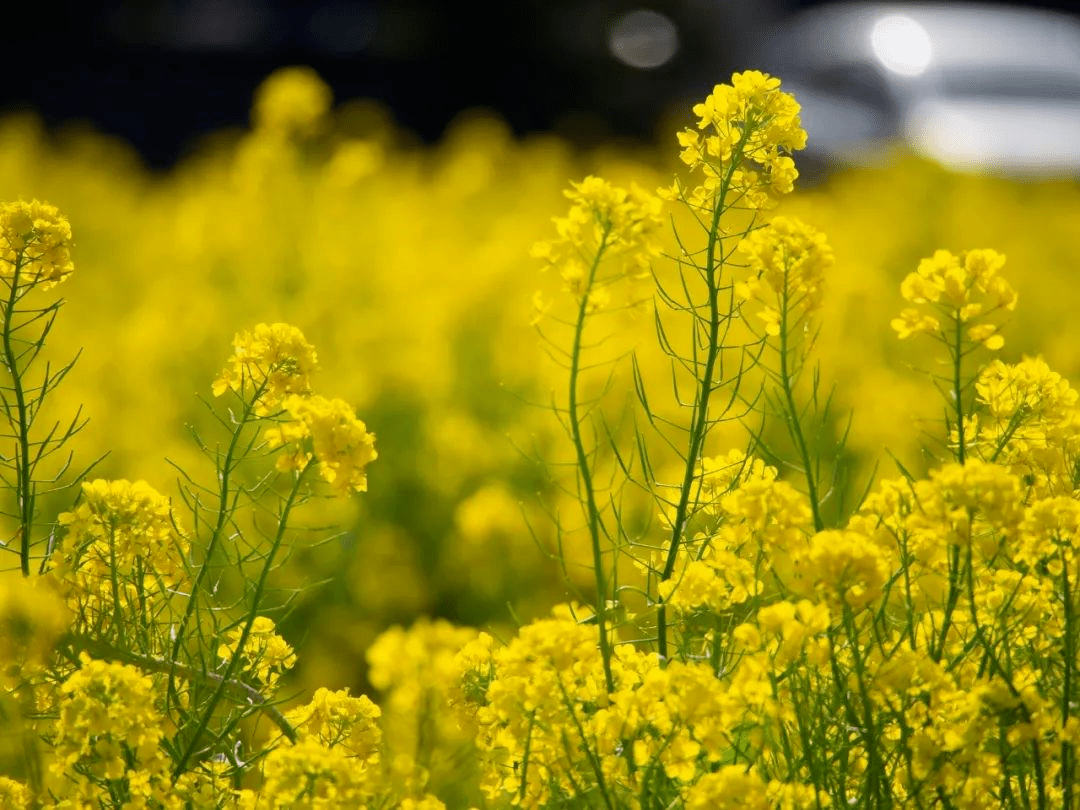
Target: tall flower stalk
{"type": "Point", "coordinates": [34, 257]}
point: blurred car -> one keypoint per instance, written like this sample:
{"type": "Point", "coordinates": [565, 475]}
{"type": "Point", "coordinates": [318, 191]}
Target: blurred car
{"type": "Point", "coordinates": [976, 87]}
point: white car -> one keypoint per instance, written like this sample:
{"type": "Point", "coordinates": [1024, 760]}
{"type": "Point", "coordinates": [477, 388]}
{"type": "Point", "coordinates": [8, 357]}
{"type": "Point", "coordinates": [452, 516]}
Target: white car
{"type": "Point", "coordinates": [976, 87]}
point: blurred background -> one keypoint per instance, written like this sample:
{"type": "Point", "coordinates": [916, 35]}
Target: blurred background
{"type": "Point", "coordinates": [163, 73]}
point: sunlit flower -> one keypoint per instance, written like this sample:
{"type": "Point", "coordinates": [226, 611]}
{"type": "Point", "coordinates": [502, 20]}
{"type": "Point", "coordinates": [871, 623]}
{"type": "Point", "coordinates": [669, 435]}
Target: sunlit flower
{"type": "Point", "coordinates": [269, 362]}
{"type": "Point", "coordinates": [788, 261]}
{"type": "Point", "coordinates": [328, 431]}
{"type": "Point", "coordinates": [748, 130]}
{"type": "Point", "coordinates": [266, 655]}
{"type": "Point", "coordinates": [35, 239]}
{"type": "Point", "coordinates": [960, 292]}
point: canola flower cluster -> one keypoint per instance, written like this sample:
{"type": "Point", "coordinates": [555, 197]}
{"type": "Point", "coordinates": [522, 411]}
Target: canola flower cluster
{"type": "Point", "coordinates": [106, 644]}
{"type": "Point", "coordinates": [274, 363]}
{"type": "Point", "coordinates": [603, 219]}
{"type": "Point", "coordinates": [35, 243]}
{"type": "Point", "coordinates": [954, 285]}
{"type": "Point", "coordinates": [789, 260]}
{"type": "Point", "coordinates": [746, 133]}
{"type": "Point", "coordinates": [743, 647]}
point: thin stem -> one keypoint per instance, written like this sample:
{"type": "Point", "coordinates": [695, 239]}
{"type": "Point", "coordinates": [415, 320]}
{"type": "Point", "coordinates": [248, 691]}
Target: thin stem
{"type": "Point", "coordinates": [699, 427]}
{"type": "Point", "coordinates": [876, 789]}
{"type": "Point", "coordinates": [24, 492]}
{"type": "Point", "coordinates": [237, 655]}
{"type": "Point", "coordinates": [958, 389]}
{"type": "Point", "coordinates": [235, 689]}
{"type": "Point", "coordinates": [223, 512]}
{"type": "Point", "coordinates": [786, 372]}
{"type": "Point", "coordinates": [591, 507]}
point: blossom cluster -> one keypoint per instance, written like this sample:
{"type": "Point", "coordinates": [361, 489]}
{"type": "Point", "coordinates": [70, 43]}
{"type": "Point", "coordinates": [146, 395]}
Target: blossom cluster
{"type": "Point", "coordinates": [269, 362]}
{"type": "Point", "coordinates": [35, 242]}
{"type": "Point", "coordinates": [271, 367]}
{"type": "Point", "coordinates": [605, 223]}
{"type": "Point", "coordinates": [788, 261]}
{"type": "Point", "coordinates": [742, 147]}
{"type": "Point", "coordinates": [123, 549]}
{"type": "Point", "coordinates": [957, 292]}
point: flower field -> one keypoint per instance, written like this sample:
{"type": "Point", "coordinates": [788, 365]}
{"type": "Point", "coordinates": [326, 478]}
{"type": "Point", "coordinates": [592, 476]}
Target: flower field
{"type": "Point", "coordinates": [341, 471]}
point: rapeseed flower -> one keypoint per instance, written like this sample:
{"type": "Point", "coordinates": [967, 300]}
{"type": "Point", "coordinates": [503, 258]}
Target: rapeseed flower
{"type": "Point", "coordinates": [309, 775]}
{"type": "Point", "coordinates": [619, 226]}
{"type": "Point", "coordinates": [108, 732]}
{"type": "Point", "coordinates": [1029, 421]}
{"type": "Point", "coordinates": [748, 130]}
{"type": "Point", "coordinates": [125, 533]}
{"type": "Point", "coordinates": [339, 719]}
{"type": "Point", "coordinates": [847, 568]}
{"type": "Point", "coordinates": [328, 431]}
{"type": "Point", "coordinates": [788, 261]}
{"type": "Point", "coordinates": [718, 582]}
{"type": "Point", "coordinates": [961, 292]}
{"type": "Point", "coordinates": [14, 795]}
{"type": "Point", "coordinates": [270, 362]}
{"type": "Point", "coordinates": [266, 655]}
{"type": "Point", "coordinates": [790, 628]}
{"type": "Point", "coordinates": [34, 241]}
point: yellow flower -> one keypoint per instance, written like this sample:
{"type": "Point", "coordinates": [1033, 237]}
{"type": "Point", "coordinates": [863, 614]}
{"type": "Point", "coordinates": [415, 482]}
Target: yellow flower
{"type": "Point", "coordinates": [623, 224]}
{"type": "Point", "coordinates": [312, 776]}
{"type": "Point", "coordinates": [748, 130]}
{"type": "Point", "coordinates": [121, 531]}
{"type": "Point", "coordinates": [109, 726]}
{"type": "Point", "coordinates": [337, 718]}
{"type": "Point", "coordinates": [1032, 424]}
{"type": "Point", "coordinates": [963, 289]}
{"type": "Point", "coordinates": [328, 430]}
{"type": "Point", "coordinates": [14, 795]}
{"type": "Point", "coordinates": [732, 787]}
{"type": "Point", "coordinates": [1029, 388]}
{"type": "Point", "coordinates": [34, 238]}
{"type": "Point", "coordinates": [718, 582]}
{"type": "Point", "coordinates": [266, 655]}
{"type": "Point", "coordinates": [271, 362]}
{"type": "Point", "coordinates": [912, 321]}
{"type": "Point", "coordinates": [788, 261]}
{"type": "Point", "coordinates": [847, 568]}
{"type": "Point", "coordinates": [789, 626]}
{"type": "Point", "coordinates": [291, 101]}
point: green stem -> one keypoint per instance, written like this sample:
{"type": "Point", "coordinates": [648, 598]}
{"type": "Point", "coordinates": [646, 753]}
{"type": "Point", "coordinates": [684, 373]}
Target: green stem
{"type": "Point", "coordinates": [876, 786]}
{"type": "Point", "coordinates": [591, 507]}
{"type": "Point", "coordinates": [24, 492]}
{"type": "Point", "coordinates": [794, 422]}
{"type": "Point", "coordinates": [237, 655]}
{"type": "Point", "coordinates": [1069, 641]}
{"type": "Point", "coordinates": [954, 552]}
{"type": "Point", "coordinates": [699, 427]}
{"type": "Point", "coordinates": [996, 665]}
{"type": "Point", "coordinates": [223, 513]}
{"type": "Point", "coordinates": [958, 390]}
